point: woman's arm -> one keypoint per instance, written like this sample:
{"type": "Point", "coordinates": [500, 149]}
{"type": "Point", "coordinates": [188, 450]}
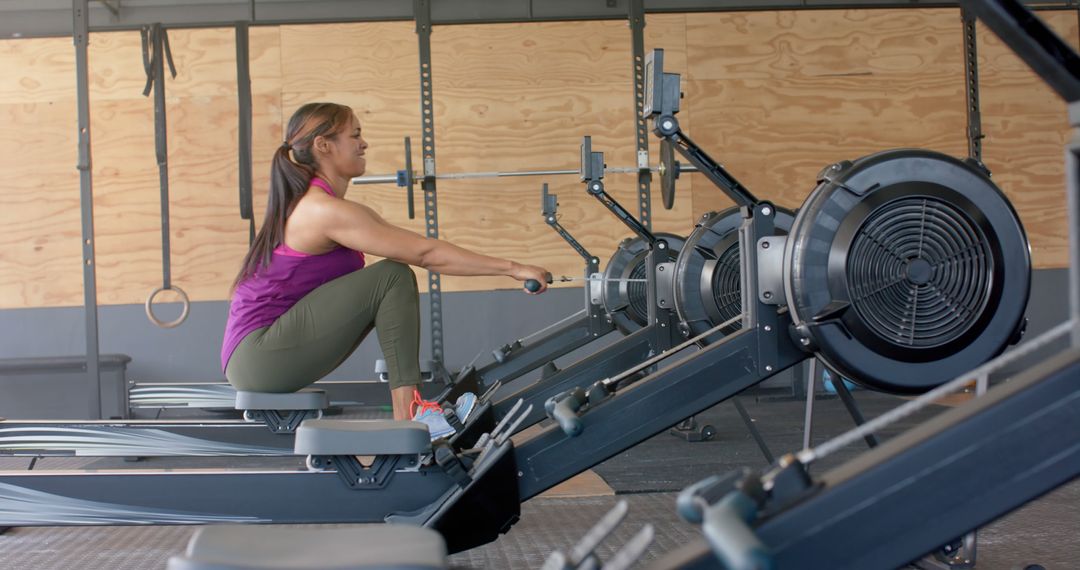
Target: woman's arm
{"type": "Point", "coordinates": [359, 227]}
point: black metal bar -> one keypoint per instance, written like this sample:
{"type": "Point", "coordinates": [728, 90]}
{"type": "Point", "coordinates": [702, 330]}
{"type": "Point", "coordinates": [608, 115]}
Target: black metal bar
{"type": "Point", "coordinates": [808, 417]}
{"type": "Point", "coordinates": [950, 466]}
{"type": "Point", "coordinates": [971, 74]}
{"type": "Point", "coordinates": [764, 447]}
{"type": "Point", "coordinates": [852, 407]}
{"type": "Point", "coordinates": [654, 403]}
{"type": "Point", "coordinates": [550, 210]}
{"type": "Point", "coordinates": [45, 22]}
{"type": "Point", "coordinates": [605, 363]}
{"type": "Point", "coordinates": [1050, 57]}
{"type": "Point", "coordinates": [410, 199]}
{"type": "Point", "coordinates": [596, 188]}
{"type": "Point", "coordinates": [1072, 187]}
{"type": "Point", "coordinates": [637, 33]}
{"type": "Point", "coordinates": [243, 94]}
{"type": "Point", "coordinates": [80, 13]}
{"type": "Point", "coordinates": [422, 14]}
{"type": "Point", "coordinates": [534, 354]}
{"type": "Point", "coordinates": [713, 170]}
{"type": "Point", "coordinates": [580, 249]}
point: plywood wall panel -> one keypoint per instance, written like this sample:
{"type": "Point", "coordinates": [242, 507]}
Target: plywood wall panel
{"type": "Point", "coordinates": [40, 255]}
{"type": "Point", "coordinates": [1026, 128]}
{"type": "Point", "coordinates": [116, 66]}
{"type": "Point", "coordinates": [518, 57]}
{"type": "Point", "coordinates": [821, 43]}
{"type": "Point", "coordinates": [778, 95]}
{"type": "Point", "coordinates": [41, 69]}
{"type": "Point", "coordinates": [775, 138]}
{"type": "Point", "coordinates": [538, 129]}
{"type": "Point", "coordinates": [363, 57]}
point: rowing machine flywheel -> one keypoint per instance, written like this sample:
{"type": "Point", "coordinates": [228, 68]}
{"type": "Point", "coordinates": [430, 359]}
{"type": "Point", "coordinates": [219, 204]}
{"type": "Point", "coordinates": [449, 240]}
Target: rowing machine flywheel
{"type": "Point", "coordinates": [906, 268]}
{"type": "Point", "coordinates": [707, 282]}
{"type": "Point", "coordinates": [626, 301]}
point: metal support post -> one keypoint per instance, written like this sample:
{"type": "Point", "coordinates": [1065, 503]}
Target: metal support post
{"type": "Point", "coordinates": [811, 388]}
{"type": "Point", "coordinates": [1072, 176]}
{"type": "Point", "coordinates": [769, 458]}
{"type": "Point", "coordinates": [971, 75]}
{"type": "Point", "coordinates": [243, 95]}
{"type": "Point", "coordinates": [852, 408]}
{"type": "Point", "coordinates": [637, 33]}
{"type": "Point", "coordinates": [81, 12]}
{"type": "Point", "coordinates": [422, 13]}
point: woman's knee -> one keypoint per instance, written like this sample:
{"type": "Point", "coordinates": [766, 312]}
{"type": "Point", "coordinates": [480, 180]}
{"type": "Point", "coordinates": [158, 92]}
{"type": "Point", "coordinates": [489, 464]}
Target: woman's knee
{"type": "Point", "coordinates": [398, 272]}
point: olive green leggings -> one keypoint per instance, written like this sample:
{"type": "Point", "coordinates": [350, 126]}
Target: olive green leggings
{"type": "Point", "coordinates": [318, 333]}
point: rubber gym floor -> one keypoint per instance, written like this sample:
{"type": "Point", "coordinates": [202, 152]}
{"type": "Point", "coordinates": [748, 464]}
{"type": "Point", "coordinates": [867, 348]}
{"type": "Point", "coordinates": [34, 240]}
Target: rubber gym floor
{"type": "Point", "coordinates": [648, 477]}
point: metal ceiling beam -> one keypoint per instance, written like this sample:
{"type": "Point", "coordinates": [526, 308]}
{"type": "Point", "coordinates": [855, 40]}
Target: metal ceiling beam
{"type": "Point", "coordinates": [21, 19]}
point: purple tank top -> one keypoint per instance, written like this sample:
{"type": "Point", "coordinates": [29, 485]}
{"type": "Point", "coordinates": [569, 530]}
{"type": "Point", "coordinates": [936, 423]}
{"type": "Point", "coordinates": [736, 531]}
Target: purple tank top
{"type": "Point", "coordinates": [263, 297]}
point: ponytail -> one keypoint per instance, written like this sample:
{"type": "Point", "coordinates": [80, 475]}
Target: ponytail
{"type": "Point", "coordinates": [290, 179]}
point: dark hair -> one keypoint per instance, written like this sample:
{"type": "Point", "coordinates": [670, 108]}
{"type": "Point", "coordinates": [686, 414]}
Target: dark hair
{"type": "Point", "coordinates": [291, 177]}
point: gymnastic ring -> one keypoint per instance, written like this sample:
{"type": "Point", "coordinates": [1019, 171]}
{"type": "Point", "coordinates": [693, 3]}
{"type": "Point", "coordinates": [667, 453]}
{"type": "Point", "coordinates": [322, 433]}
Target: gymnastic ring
{"type": "Point", "coordinates": [183, 312]}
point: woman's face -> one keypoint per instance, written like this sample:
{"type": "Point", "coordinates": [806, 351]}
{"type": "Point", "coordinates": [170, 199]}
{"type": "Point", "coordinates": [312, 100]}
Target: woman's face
{"type": "Point", "coordinates": [346, 150]}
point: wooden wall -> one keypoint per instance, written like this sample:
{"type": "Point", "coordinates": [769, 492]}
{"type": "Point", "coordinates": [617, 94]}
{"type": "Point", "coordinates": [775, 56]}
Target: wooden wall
{"type": "Point", "coordinates": [774, 95]}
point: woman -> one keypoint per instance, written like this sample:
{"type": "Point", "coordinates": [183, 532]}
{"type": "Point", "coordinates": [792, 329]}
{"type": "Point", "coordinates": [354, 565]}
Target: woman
{"type": "Point", "coordinates": [304, 299]}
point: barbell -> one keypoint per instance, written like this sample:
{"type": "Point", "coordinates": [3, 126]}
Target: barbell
{"type": "Point", "coordinates": [669, 170]}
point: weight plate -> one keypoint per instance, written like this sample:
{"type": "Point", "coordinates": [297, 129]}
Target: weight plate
{"type": "Point", "coordinates": [626, 301]}
{"type": "Point", "coordinates": [669, 173]}
{"type": "Point", "coordinates": [905, 269]}
{"type": "Point", "coordinates": [707, 282]}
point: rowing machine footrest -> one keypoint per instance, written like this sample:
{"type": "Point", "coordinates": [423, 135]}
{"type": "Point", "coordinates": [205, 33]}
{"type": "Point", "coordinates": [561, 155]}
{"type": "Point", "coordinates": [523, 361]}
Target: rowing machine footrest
{"type": "Point", "coordinates": [362, 437]}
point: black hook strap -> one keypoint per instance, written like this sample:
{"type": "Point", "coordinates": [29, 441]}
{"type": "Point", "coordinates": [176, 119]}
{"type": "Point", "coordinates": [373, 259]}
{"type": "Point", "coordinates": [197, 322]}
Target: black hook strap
{"type": "Point", "coordinates": [151, 51]}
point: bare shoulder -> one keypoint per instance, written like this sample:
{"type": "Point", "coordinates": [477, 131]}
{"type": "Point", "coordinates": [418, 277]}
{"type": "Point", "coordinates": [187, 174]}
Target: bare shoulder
{"type": "Point", "coordinates": [313, 221]}
{"type": "Point", "coordinates": [328, 211]}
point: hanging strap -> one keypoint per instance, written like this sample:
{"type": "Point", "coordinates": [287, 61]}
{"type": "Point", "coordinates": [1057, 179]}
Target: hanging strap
{"type": "Point", "coordinates": [243, 92]}
{"type": "Point", "coordinates": [155, 51]}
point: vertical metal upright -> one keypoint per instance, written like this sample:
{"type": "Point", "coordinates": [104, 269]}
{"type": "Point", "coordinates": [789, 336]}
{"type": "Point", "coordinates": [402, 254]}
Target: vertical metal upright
{"type": "Point", "coordinates": [1072, 189]}
{"type": "Point", "coordinates": [971, 77]}
{"type": "Point", "coordinates": [81, 36]}
{"type": "Point", "coordinates": [244, 128]}
{"type": "Point", "coordinates": [966, 553]}
{"type": "Point", "coordinates": [422, 14]}
{"type": "Point", "coordinates": [637, 33]}
{"type": "Point", "coordinates": [1072, 195]}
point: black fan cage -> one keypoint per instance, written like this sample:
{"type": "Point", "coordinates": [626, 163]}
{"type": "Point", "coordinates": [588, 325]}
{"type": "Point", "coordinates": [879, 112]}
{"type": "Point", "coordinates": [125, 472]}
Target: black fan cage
{"type": "Point", "coordinates": [727, 286]}
{"type": "Point", "coordinates": [919, 272]}
{"type": "Point", "coordinates": [636, 293]}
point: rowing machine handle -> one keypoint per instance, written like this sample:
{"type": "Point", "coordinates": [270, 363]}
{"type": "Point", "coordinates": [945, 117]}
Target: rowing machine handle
{"type": "Point", "coordinates": [727, 528]}
{"type": "Point", "coordinates": [532, 285]}
{"type": "Point", "coordinates": [564, 408]}
{"type": "Point", "coordinates": [694, 500]}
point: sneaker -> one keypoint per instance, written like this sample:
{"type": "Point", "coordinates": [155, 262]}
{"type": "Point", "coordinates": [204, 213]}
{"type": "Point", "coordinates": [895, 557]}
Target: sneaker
{"type": "Point", "coordinates": [465, 405]}
{"type": "Point", "coordinates": [431, 413]}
